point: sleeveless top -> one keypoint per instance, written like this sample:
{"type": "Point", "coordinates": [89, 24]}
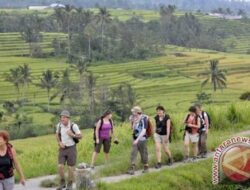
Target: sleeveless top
{"type": "Point", "coordinates": [104, 132]}
{"type": "Point", "coordinates": [161, 125]}
{"type": "Point", "coordinates": [6, 164]}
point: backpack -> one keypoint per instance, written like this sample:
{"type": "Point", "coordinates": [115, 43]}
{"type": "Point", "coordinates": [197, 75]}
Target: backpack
{"type": "Point", "coordinates": [208, 117]}
{"type": "Point", "coordinates": [9, 152]}
{"type": "Point", "coordinates": [94, 135]}
{"type": "Point", "coordinates": [150, 128]}
{"type": "Point", "coordinates": [76, 140]}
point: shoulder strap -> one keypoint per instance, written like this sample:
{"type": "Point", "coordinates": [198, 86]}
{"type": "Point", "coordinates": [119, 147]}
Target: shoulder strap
{"type": "Point", "coordinates": [187, 117]}
{"type": "Point", "coordinates": [59, 132]}
{"type": "Point", "coordinates": [9, 152]}
{"type": "Point", "coordinates": [71, 127]}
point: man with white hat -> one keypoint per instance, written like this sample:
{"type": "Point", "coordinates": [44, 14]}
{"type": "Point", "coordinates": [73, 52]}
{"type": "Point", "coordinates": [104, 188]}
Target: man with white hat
{"type": "Point", "coordinates": [139, 125]}
{"type": "Point", "coordinates": [67, 135]}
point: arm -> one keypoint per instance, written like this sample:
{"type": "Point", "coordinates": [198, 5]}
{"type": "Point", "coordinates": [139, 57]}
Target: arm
{"type": "Point", "coordinates": [197, 125]}
{"type": "Point", "coordinates": [168, 128]}
{"type": "Point", "coordinates": [98, 125]}
{"type": "Point", "coordinates": [207, 123]}
{"type": "Point", "coordinates": [77, 133]}
{"type": "Point", "coordinates": [60, 144]}
{"type": "Point", "coordinates": [18, 167]}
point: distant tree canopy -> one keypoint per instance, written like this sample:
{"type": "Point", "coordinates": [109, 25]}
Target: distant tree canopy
{"type": "Point", "coordinates": [203, 5]}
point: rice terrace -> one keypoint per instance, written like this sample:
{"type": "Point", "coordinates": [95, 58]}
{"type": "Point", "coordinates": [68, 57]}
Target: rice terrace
{"type": "Point", "coordinates": [89, 61]}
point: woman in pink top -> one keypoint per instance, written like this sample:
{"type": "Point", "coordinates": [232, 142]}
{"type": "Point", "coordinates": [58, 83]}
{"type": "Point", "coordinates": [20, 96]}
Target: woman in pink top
{"type": "Point", "coordinates": [103, 135]}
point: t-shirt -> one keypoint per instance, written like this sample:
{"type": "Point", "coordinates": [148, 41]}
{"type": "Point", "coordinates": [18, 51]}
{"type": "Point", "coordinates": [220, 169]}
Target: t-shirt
{"type": "Point", "coordinates": [65, 138]}
{"type": "Point", "coordinates": [138, 126]}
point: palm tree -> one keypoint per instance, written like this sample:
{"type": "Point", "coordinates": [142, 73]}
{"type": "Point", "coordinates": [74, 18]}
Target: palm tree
{"type": "Point", "coordinates": [25, 76]}
{"type": "Point", "coordinates": [14, 77]}
{"type": "Point", "coordinates": [81, 66]}
{"type": "Point", "coordinates": [48, 81]}
{"type": "Point", "coordinates": [216, 76]}
{"type": "Point", "coordinates": [103, 17]}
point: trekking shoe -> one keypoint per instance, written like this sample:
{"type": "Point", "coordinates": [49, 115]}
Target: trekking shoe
{"type": "Point", "coordinates": [186, 159]}
{"type": "Point", "coordinates": [194, 159]}
{"type": "Point", "coordinates": [62, 184]}
{"type": "Point", "coordinates": [204, 155]}
{"type": "Point", "coordinates": [92, 167]}
{"type": "Point", "coordinates": [69, 185]}
{"type": "Point", "coordinates": [158, 165]}
{"type": "Point", "coordinates": [170, 162]}
{"type": "Point", "coordinates": [131, 170]}
{"type": "Point", "coordinates": [145, 169]}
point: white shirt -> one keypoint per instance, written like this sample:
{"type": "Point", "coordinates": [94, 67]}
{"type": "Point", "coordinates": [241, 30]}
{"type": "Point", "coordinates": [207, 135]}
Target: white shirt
{"type": "Point", "coordinates": [65, 138]}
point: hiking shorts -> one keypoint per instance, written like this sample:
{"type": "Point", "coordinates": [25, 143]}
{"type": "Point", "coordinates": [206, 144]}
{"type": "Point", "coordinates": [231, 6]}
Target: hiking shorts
{"type": "Point", "coordinates": [7, 184]}
{"type": "Point", "coordinates": [67, 155]}
{"type": "Point", "coordinates": [163, 139]}
{"type": "Point", "coordinates": [194, 138]}
{"type": "Point", "coordinates": [106, 145]}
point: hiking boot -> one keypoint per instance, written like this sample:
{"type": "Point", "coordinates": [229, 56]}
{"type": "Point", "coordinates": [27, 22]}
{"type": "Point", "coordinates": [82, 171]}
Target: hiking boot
{"type": "Point", "coordinates": [131, 170]}
{"type": "Point", "coordinates": [69, 185]}
{"type": "Point", "coordinates": [186, 159]}
{"type": "Point", "coordinates": [204, 155]}
{"type": "Point", "coordinates": [170, 162]}
{"type": "Point", "coordinates": [145, 169]}
{"type": "Point", "coordinates": [194, 159]}
{"type": "Point", "coordinates": [62, 184]}
{"type": "Point", "coordinates": [158, 165]}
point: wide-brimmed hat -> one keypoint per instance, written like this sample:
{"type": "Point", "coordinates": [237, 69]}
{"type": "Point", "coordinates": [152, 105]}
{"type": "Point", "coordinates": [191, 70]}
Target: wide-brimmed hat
{"type": "Point", "coordinates": [136, 109]}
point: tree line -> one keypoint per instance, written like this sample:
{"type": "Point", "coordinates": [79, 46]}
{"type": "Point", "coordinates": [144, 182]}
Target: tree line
{"type": "Point", "coordinates": [99, 36]}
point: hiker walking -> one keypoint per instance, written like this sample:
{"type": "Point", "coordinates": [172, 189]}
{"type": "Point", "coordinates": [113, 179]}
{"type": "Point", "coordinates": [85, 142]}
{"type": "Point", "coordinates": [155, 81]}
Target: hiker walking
{"type": "Point", "coordinates": [67, 135]}
{"type": "Point", "coordinates": [203, 131]}
{"type": "Point", "coordinates": [139, 125]}
{"type": "Point", "coordinates": [8, 161]}
{"type": "Point", "coordinates": [162, 135]}
{"type": "Point", "coordinates": [191, 135]}
{"type": "Point", "coordinates": [102, 136]}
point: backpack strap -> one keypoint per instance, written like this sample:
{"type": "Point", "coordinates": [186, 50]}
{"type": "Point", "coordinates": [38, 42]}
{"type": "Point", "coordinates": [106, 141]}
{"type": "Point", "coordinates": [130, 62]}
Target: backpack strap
{"type": "Point", "coordinates": [71, 127]}
{"type": "Point", "coordinates": [10, 154]}
{"type": "Point", "coordinates": [59, 132]}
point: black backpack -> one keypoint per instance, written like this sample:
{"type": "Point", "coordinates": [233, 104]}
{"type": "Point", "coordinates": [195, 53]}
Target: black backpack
{"type": "Point", "coordinates": [208, 117]}
{"type": "Point", "coordinates": [76, 140]}
{"type": "Point", "coordinates": [94, 135]}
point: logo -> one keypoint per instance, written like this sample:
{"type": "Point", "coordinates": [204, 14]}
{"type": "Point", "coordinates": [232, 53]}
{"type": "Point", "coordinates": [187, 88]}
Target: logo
{"type": "Point", "coordinates": [232, 161]}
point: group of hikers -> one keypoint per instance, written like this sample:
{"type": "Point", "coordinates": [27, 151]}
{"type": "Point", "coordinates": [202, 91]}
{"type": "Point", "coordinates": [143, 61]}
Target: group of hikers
{"type": "Point", "coordinates": [68, 135]}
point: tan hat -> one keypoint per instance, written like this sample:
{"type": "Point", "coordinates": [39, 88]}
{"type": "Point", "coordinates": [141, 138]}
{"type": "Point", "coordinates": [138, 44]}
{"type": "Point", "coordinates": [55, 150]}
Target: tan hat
{"type": "Point", "coordinates": [136, 109]}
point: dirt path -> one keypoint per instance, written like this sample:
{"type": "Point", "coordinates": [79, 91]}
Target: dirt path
{"type": "Point", "coordinates": [34, 183]}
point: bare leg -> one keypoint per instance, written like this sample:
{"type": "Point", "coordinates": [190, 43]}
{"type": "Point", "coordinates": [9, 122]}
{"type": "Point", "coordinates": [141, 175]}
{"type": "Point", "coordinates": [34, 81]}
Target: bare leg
{"type": "Point", "coordinates": [158, 151]}
{"type": "Point", "coordinates": [61, 171]}
{"type": "Point", "coordinates": [106, 157]}
{"type": "Point", "coordinates": [94, 156]}
{"type": "Point", "coordinates": [71, 173]}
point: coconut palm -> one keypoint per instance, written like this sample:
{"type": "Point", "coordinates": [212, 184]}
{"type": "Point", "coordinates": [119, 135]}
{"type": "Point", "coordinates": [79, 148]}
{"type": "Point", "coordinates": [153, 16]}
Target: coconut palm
{"type": "Point", "coordinates": [25, 79]}
{"type": "Point", "coordinates": [48, 81]}
{"type": "Point", "coordinates": [14, 77]}
{"type": "Point", "coordinates": [103, 17]}
{"type": "Point", "coordinates": [216, 76]}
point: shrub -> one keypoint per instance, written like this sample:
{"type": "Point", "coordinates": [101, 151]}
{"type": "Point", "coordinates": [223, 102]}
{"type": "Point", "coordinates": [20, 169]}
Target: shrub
{"type": "Point", "coordinates": [233, 115]}
{"type": "Point", "coordinates": [245, 96]}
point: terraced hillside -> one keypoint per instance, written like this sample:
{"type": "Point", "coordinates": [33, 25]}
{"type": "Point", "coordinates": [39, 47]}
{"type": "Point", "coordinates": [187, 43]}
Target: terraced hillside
{"type": "Point", "coordinates": [12, 44]}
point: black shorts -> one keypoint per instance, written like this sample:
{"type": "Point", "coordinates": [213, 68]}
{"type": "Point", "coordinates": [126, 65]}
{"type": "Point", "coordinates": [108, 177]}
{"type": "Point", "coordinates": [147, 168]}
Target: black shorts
{"type": "Point", "coordinates": [106, 145]}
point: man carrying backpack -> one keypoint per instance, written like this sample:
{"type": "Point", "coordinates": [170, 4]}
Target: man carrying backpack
{"type": "Point", "coordinates": [67, 135]}
{"type": "Point", "coordinates": [139, 124]}
{"type": "Point", "coordinates": [203, 132]}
